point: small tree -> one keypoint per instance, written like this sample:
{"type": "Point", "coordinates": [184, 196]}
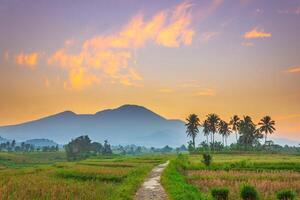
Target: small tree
{"type": "Point", "coordinates": [207, 158]}
{"type": "Point", "coordinates": [106, 149]}
{"type": "Point", "coordinates": [220, 193]}
{"type": "Point", "coordinates": [249, 193]}
{"type": "Point", "coordinates": [286, 195]}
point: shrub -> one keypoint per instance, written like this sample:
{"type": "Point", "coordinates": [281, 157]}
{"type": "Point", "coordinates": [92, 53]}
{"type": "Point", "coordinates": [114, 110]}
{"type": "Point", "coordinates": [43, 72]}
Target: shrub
{"type": "Point", "coordinates": [286, 194]}
{"type": "Point", "coordinates": [249, 193]}
{"type": "Point", "coordinates": [207, 159]}
{"type": "Point", "coordinates": [220, 193]}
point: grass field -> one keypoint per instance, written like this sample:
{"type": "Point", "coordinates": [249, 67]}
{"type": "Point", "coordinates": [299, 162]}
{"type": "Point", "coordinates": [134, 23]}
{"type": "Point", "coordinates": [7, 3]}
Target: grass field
{"type": "Point", "coordinates": [39, 175]}
{"type": "Point", "coordinates": [268, 173]}
{"type": "Point", "coordinates": [49, 176]}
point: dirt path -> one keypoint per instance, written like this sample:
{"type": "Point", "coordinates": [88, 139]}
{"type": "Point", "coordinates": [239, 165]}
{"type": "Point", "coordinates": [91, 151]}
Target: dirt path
{"type": "Point", "coordinates": [152, 188]}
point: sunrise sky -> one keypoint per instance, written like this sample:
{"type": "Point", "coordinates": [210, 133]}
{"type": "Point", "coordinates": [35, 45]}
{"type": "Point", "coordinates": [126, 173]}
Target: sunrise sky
{"type": "Point", "coordinates": [173, 57]}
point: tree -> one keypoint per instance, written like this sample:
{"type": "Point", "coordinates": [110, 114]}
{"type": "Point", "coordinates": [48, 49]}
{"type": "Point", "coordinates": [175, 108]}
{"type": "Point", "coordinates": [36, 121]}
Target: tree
{"type": "Point", "coordinates": [78, 148]}
{"type": "Point", "coordinates": [13, 144]}
{"type": "Point", "coordinates": [206, 130]}
{"type": "Point", "coordinates": [248, 132]}
{"type": "Point", "coordinates": [235, 123]}
{"type": "Point", "coordinates": [224, 130]}
{"type": "Point", "coordinates": [213, 121]}
{"type": "Point", "coordinates": [107, 150]}
{"type": "Point", "coordinates": [97, 147]}
{"type": "Point", "coordinates": [192, 125]}
{"type": "Point", "coordinates": [267, 126]}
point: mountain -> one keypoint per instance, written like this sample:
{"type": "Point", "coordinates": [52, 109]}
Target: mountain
{"type": "Point", "coordinates": [41, 142]}
{"type": "Point", "coordinates": [128, 124]}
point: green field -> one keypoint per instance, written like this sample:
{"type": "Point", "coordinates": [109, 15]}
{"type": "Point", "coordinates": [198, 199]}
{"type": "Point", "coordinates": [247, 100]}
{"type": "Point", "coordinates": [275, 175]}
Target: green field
{"type": "Point", "coordinates": [267, 172]}
{"type": "Point", "coordinates": [49, 176]}
{"type": "Point", "coordinates": [41, 175]}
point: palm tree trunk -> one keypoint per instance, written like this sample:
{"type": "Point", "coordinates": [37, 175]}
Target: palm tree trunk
{"type": "Point", "coordinates": [236, 136]}
{"type": "Point", "coordinates": [266, 137]}
{"type": "Point", "coordinates": [213, 142]}
{"type": "Point", "coordinates": [194, 142]}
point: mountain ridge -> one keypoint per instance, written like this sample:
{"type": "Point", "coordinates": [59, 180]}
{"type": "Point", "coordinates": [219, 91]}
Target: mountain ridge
{"type": "Point", "coordinates": [126, 124]}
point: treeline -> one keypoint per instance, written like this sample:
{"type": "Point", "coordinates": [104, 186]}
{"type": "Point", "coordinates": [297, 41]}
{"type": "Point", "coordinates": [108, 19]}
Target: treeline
{"type": "Point", "coordinates": [82, 147]}
{"type": "Point", "coordinates": [25, 147]}
{"type": "Point", "coordinates": [248, 134]}
{"type": "Point", "coordinates": [138, 150]}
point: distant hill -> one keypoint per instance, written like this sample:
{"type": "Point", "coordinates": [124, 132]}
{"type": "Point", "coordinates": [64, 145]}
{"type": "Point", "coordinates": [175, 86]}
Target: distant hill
{"type": "Point", "coordinates": [128, 124]}
{"type": "Point", "coordinates": [41, 142]}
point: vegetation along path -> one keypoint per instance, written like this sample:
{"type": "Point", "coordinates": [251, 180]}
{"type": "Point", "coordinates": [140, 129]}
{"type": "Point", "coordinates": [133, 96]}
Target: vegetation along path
{"type": "Point", "coordinates": [152, 188]}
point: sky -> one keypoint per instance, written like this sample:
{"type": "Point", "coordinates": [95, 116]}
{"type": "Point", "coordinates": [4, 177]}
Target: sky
{"type": "Point", "coordinates": [173, 57]}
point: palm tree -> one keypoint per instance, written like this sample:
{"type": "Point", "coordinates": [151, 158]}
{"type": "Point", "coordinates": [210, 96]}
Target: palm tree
{"type": "Point", "coordinates": [235, 123]}
{"type": "Point", "coordinates": [224, 130]}
{"type": "Point", "coordinates": [192, 125]}
{"type": "Point", "coordinates": [266, 126]}
{"type": "Point", "coordinates": [213, 121]}
{"type": "Point", "coordinates": [206, 130]}
{"type": "Point", "coordinates": [248, 132]}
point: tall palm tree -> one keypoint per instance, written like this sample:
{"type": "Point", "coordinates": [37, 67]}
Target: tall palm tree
{"type": "Point", "coordinates": [235, 123]}
{"type": "Point", "coordinates": [206, 130]}
{"type": "Point", "coordinates": [248, 132]}
{"type": "Point", "coordinates": [267, 126]}
{"type": "Point", "coordinates": [224, 130]}
{"type": "Point", "coordinates": [213, 121]}
{"type": "Point", "coordinates": [192, 125]}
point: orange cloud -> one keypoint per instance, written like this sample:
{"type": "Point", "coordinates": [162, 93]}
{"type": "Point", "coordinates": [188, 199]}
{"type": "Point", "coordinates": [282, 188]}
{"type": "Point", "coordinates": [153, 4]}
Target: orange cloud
{"type": "Point", "coordinates": [205, 92]}
{"type": "Point", "coordinates": [257, 33]}
{"type": "Point", "coordinates": [166, 90]}
{"type": "Point", "coordinates": [294, 69]}
{"type": "Point", "coordinates": [110, 56]}
{"type": "Point", "coordinates": [29, 60]}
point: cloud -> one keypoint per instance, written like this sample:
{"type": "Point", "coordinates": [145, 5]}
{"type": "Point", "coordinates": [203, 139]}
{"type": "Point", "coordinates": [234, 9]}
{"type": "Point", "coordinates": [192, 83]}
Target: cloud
{"type": "Point", "coordinates": [247, 44]}
{"type": "Point", "coordinates": [292, 11]}
{"type": "Point", "coordinates": [205, 92]}
{"type": "Point", "coordinates": [257, 33]}
{"type": "Point", "coordinates": [30, 60]}
{"type": "Point", "coordinates": [166, 90]}
{"type": "Point", "coordinates": [295, 69]}
{"type": "Point", "coordinates": [110, 56]}
{"type": "Point", "coordinates": [207, 36]}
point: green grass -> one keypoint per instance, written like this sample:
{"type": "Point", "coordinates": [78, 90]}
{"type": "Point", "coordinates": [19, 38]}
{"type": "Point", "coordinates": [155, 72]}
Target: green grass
{"type": "Point", "coordinates": [176, 184]}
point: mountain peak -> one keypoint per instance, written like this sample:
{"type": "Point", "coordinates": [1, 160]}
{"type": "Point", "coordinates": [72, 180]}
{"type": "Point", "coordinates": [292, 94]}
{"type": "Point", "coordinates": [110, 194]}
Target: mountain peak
{"type": "Point", "coordinates": [131, 107]}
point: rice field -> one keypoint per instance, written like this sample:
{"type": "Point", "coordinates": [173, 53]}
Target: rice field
{"type": "Point", "coordinates": [268, 173]}
{"type": "Point", "coordinates": [37, 176]}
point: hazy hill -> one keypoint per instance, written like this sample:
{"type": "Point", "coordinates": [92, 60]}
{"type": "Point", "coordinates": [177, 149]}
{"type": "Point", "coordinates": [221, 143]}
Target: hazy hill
{"type": "Point", "coordinates": [128, 124]}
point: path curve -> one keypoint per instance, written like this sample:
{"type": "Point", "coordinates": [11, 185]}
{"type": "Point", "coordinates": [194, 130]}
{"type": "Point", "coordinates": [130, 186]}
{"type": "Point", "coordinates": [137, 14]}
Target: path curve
{"type": "Point", "coordinates": [152, 188]}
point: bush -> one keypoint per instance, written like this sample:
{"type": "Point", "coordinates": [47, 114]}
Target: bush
{"type": "Point", "coordinates": [207, 159]}
{"type": "Point", "coordinates": [286, 195]}
{"type": "Point", "coordinates": [249, 193]}
{"type": "Point", "coordinates": [220, 193]}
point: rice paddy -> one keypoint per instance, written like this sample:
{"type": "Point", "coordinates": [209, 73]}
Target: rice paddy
{"type": "Point", "coordinates": [23, 176]}
{"type": "Point", "coordinates": [268, 173]}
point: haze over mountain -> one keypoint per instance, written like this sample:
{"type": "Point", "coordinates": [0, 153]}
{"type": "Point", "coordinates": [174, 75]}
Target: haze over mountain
{"type": "Point", "coordinates": [128, 124]}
